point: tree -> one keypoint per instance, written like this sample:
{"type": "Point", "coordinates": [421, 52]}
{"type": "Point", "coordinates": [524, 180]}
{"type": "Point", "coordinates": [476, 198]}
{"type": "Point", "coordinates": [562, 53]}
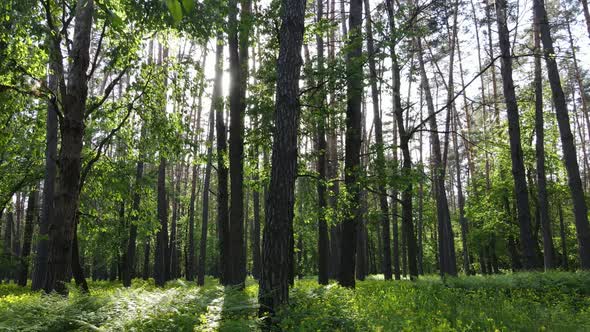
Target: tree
{"type": "Point", "coordinates": [380, 160]}
{"type": "Point", "coordinates": [27, 237]}
{"type": "Point", "coordinates": [540, 154]}
{"type": "Point", "coordinates": [323, 239]}
{"type": "Point", "coordinates": [569, 150]}
{"type": "Point", "coordinates": [518, 172]}
{"type": "Point", "coordinates": [354, 75]}
{"type": "Point", "coordinates": [73, 96]}
{"type": "Point", "coordinates": [278, 229]}
{"type": "Point", "coordinates": [216, 105]}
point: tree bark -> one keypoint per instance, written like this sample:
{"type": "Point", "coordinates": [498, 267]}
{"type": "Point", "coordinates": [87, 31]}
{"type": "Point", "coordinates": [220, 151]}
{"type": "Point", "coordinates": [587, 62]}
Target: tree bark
{"type": "Point", "coordinates": [354, 91]}
{"type": "Point", "coordinates": [567, 143]}
{"type": "Point", "coordinates": [278, 230]}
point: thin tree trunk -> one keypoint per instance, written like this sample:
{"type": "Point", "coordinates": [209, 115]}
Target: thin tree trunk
{"type": "Point", "coordinates": [40, 268]}
{"type": "Point", "coordinates": [129, 259]}
{"type": "Point", "coordinates": [564, 261]}
{"type": "Point", "coordinates": [27, 237]}
{"type": "Point", "coordinates": [581, 89]}
{"type": "Point", "coordinates": [216, 107]}
{"type": "Point", "coordinates": [161, 268]}
{"type": "Point", "coordinates": [586, 15]}
{"type": "Point", "coordinates": [540, 152]}
{"type": "Point", "coordinates": [380, 160]}
{"type": "Point", "coordinates": [446, 244]}
{"type": "Point", "coordinates": [321, 149]}
{"type": "Point", "coordinates": [146, 259]}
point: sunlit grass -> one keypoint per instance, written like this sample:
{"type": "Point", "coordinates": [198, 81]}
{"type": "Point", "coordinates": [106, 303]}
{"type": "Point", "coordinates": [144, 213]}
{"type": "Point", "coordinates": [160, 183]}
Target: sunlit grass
{"type": "Point", "coordinates": [556, 301]}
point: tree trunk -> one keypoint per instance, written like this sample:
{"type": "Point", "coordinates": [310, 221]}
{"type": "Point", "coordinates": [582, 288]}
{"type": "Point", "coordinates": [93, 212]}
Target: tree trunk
{"type": "Point", "coordinates": [129, 259]}
{"type": "Point", "coordinates": [567, 143]}
{"type": "Point", "coordinates": [238, 62]}
{"type": "Point", "coordinates": [581, 90]}
{"type": "Point", "coordinates": [27, 237]}
{"type": "Point", "coordinates": [321, 147]}
{"type": "Point", "coordinates": [352, 145]}
{"type": "Point", "coordinates": [222, 197]}
{"type": "Point", "coordinates": [586, 15]}
{"type": "Point", "coordinates": [380, 160]}
{"type": "Point", "coordinates": [446, 246]}
{"type": "Point", "coordinates": [518, 172]}
{"type": "Point", "coordinates": [543, 200]}
{"type": "Point", "coordinates": [216, 106]}
{"type": "Point", "coordinates": [146, 260]}
{"type": "Point", "coordinates": [278, 230]}
{"type": "Point", "coordinates": [40, 268]}
{"type": "Point", "coordinates": [73, 99]}
{"type": "Point", "coordinates": [161, 266]}
{"type": "Point", "coordinates": [564, 261]}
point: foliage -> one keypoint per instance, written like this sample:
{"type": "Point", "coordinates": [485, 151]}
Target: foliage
{"type": "Point", "coordinates": [556, 301]}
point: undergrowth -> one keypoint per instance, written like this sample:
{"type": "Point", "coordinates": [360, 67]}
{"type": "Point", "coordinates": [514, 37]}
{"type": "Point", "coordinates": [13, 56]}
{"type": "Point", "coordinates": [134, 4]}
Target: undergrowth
{"type": "Point", "coordinates": [555, 301]}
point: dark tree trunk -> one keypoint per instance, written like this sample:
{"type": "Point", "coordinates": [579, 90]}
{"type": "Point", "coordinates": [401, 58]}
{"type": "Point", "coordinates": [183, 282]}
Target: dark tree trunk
{"type": "Point", "coordinates": [567, 142]}
{"type": "Point", "coordinates": [278, 230]}
{"type": "Point", "coordinates": [238, 63]}
{"type": "Point", "coordinates": [352, 145]}
{"type": "Point", "coordinates": [216, 107]}
{"type": "Point", "coordinates": [518, 172]}
{"type": "Point", "coordinates": [321, 150]}
{"type": "Point", "coordinates": [76, 269]}
{"type": "Point", "coordinates": [146, 260]}
{"type": "Point", "coordinates": [129, 258]}
{"type": "Point", "coordinates": [40, 267]}
{"type": "Point", "coordinates": [190, 267]}
{"type": "Point", "coordinates": [161, 268]}
{"type": "Point", "coordinates": [543, 200]}
{"type": "Point", "coordinates": [27, 237]}
{"type": "Point", "coordinates": [173, 260]}
{"type": "Point", "coordinates": [408, 235]}
{"type": "Point", "coordinates": [222, 198]}
{"type": "Point", "coordinates": [564, 260]}
{"type": "Point", "coordinates": [73, 99]}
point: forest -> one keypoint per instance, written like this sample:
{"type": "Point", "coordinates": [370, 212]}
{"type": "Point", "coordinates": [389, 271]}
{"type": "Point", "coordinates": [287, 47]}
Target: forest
{"type": "Point", "coordinates": [294, 165]}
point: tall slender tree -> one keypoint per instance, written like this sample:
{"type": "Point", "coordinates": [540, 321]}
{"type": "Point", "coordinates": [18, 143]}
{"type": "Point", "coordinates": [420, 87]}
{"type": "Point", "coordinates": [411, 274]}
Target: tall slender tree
{"type": "Point", "coordinates": [354, 75]}
{"type": "Point", "coordinates": [567, 142]}
{"type": "Point", "coordinates": [216, 105]}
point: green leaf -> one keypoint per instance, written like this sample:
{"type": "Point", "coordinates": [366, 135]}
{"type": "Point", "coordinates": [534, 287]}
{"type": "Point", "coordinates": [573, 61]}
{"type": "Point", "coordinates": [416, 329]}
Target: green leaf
{"type": "Point", "coordinates": [175, 9]}
{"type": "Point", "coordinates": [188, 5]}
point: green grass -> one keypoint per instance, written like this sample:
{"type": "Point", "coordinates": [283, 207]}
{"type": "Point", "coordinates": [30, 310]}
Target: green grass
{"type": "Point", "coordinates": [556, 301]}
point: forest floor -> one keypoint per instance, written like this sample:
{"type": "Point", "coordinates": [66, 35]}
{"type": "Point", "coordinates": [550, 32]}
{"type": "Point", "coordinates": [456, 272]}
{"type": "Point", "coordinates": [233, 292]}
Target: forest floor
{"type": "Point", "coordinates": [556, 301]}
